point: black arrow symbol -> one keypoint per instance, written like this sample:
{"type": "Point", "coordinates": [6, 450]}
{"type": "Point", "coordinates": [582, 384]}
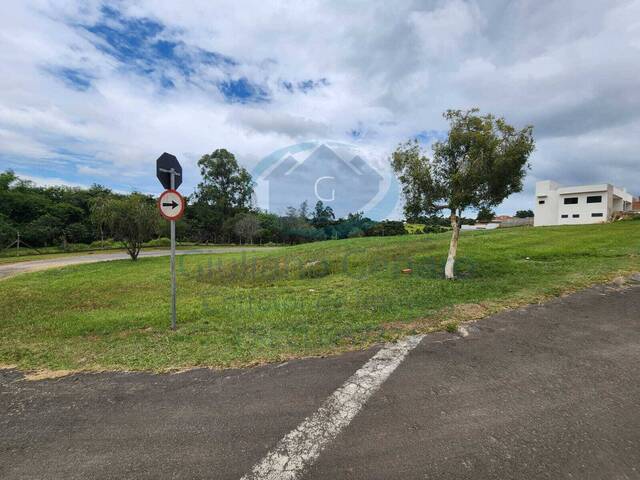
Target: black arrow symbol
{"type": "Point", "coordinates": [173, 204]}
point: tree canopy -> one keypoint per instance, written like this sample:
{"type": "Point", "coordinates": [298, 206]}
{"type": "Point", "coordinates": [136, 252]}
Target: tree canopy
{"type": "Point", "coordinates": [485, 214]}
{"type": "Point", "coordinates": [480, 163]}
{"type": "Point", "coordinates": [132, 220]}
{"type": "Point", "coordinates": [226, 190]}
{"type": "Point", "coordinates": [524, 214]}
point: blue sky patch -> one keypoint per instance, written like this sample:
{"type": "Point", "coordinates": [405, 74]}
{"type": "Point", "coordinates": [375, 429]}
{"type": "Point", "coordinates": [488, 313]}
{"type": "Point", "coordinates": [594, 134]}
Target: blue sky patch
{"type": "Point", "coordinates": [356, 133]}
{"type": "Point", "coordinates": [308, 85]}
{"type": "Point", "coordinates": [141, 44]}
{"type": "Point", "coordinates": [125, 38]}
{"type": "Point", "coordinates": [72, 78]}
{"type": "Point", "coordinates": [242, 91]}
{"type": "Point", "coordinates": [427, 137]}
{"type": "Point", "coordinates": [304, 86]}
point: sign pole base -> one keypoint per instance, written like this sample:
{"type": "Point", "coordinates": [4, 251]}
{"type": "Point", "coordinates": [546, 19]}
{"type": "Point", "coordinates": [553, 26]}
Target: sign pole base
{"type": "Point", "coordinates": [173, 275]}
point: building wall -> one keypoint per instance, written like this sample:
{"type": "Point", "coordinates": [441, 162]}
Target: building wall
{"type": "Point", "coordinates": [546, 207]}
{"type": "Point", "coordinates": [552, 208]}
{"type": "Point", "coordinates": [583, 212]}
{"type": "Point", "coordinates": [516, 222]}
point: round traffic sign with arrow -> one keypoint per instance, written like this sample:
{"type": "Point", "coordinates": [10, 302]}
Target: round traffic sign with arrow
{"type": "Point", "coordinates": [171, 205]}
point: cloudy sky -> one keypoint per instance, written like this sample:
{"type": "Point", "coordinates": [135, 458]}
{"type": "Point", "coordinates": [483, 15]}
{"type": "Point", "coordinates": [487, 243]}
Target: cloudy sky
{"type": "Point", "coordinates": [95, 91]}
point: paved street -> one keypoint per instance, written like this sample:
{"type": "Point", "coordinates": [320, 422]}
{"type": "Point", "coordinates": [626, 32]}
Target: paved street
{"type": "Point", "coordinates": [548, 391]}
{"type": "Point", "coordinates": [11, 269]}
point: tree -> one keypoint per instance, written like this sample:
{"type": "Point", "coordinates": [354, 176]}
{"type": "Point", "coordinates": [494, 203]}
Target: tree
{"type": "Point", "coordinates": [480, 163]}
{"type": "Point", "coordinates": [133, 220]}
{"type": "Point", "coordinates": [247, 227]}
{"type": "Point", "coordinates": [322, 216]}
{"type": "Point", "coordinates": [225, 191]}
{"type": "Point", "coordinates": [99, 215]}
{"type": "Point", "coordinates": [524, 214]}
{"type": "Point", "coordinates": [77, 233]}
{"type": "Point", "coordinates": [45, 230]}
{"type": "Point", "coordinates": [6, 179]}
{"type": "Point", "coordinates": [296, 228]}
{"type": "Point", "coordinates": [303, 211]}
{"type": "Point", "coordinates": [386, 228]}
{"type": "Point", "coordinates": [485, 214]}
{"type": "Point", "coordinates": [270, 226]}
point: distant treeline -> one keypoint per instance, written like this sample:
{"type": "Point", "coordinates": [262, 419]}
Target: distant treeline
{"type": "Point", "coordinates": [60, 215]}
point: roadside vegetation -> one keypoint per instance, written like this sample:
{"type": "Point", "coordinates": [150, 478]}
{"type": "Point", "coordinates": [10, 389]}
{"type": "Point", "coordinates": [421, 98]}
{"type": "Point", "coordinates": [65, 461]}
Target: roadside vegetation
{"type": "Point", "coordinates": [312, 299]}
{"type": "Point", "coordinates": [219, 211]}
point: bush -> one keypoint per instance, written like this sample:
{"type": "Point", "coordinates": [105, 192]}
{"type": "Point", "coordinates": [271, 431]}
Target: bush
{"type": "Point", "coordinates": [76, 247]}
{"type": "Point", "coordinates": [414, 228]}
{"type": "Point", "coordinates": [7, 233]}
{"type": "Point", "coordinates": [434, 229]}
{"type": "Point", "coordinates": [355, 233]}
{"type": "Point", "coordinates": [108, 243]}
{"type": "Point", "coordinates": [159, 242]}
{"type": "Point", "coordinates": [77, 233]}
{"type": "Point", "coordinates": [386, 228]}
{"type": "Point", "coordinates": [315, 269]}
{"type": "Point", "coordinates": [451, 327]}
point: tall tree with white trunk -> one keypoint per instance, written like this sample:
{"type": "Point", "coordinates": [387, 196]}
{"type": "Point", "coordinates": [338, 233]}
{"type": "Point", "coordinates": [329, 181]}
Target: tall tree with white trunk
{"type": "Point", "coordinates": [481, 162]}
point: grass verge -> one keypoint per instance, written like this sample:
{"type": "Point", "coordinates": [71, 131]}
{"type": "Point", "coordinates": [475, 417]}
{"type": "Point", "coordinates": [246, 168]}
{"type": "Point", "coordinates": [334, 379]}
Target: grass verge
{"type": "Point", "coordinates": [243, 309]}
{"type": "Point", "coordinates": [8, 258]}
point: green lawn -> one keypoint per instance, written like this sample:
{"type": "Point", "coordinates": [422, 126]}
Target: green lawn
{"type": "Point", "coordinates": [9, 256]}
{"type": "Point", "coordinates": [311, 299]}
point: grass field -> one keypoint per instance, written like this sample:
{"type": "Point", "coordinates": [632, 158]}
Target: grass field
{"type": "Point", "coordinates": [27, 256]}
{"type": "Point", "coordinates": [306, 300]}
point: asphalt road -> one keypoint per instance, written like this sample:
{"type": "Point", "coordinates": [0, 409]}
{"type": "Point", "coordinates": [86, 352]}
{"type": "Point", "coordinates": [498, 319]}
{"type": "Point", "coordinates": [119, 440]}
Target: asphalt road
{"type": "Point", "coordinates": [11, 269]}
{"type": "Point", "coordinates": [548, 391]}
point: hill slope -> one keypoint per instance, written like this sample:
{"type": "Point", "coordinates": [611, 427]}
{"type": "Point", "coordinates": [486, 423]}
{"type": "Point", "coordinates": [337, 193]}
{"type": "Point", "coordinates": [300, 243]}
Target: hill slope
{"type": "Point", "coordinates": [305, 300]}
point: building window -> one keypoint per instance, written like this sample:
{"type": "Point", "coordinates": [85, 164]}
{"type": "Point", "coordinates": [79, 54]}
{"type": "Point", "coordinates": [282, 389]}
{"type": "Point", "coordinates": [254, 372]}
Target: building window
{"type": "Point", "coordinates": [540, 202]}
{"type": "Point", "coordinates": [596, 214]}
{"type": "Point", "coordinates": [564, 216]}
{"type": "Point", "coordinates": [575, 215]}
{"type": "Point", "coordinates": [594, 199]}
{"type": "Point", "coordinates": [571, 200]}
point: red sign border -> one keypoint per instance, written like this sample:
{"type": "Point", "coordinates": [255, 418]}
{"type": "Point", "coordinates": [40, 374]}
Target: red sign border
{"type": "Point", "coordinates": [182, 203]}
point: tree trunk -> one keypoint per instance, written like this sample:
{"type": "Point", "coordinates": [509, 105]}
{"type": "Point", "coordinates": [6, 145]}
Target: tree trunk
{"type": "Point", "coordinates": [133, 250]}
{"type": "Point", "coordinates": [453, 247]}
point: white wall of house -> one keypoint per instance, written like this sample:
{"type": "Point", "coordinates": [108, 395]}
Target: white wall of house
{"type": "Point", "coordinates": [557, 205]}
{"type": "Point", "coordinates": [546, 208]}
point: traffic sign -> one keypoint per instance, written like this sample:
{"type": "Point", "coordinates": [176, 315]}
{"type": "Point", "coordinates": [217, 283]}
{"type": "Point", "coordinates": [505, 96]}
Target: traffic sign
{"type": "Point", "coordinates": [166, 164]}
{"type": "Point", "coordinates": [171, 205]}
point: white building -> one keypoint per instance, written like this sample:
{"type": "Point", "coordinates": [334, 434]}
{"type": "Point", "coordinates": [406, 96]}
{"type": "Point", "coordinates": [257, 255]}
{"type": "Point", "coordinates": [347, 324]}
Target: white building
{"type": "Point", "coordinates": [557, 205]}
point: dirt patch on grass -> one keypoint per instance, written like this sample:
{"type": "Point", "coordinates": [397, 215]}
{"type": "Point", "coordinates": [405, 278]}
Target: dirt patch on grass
{"type": "Point", "coordinates": [47, 374]}
{"type": "Point", "coordinates": [465, 312]}
{"type": "Point", "coordinates": [470, 311]}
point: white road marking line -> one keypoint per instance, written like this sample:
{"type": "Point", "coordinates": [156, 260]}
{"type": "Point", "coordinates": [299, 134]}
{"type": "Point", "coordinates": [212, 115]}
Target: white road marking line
{"type": "Point", "coordinates": [302, 446]}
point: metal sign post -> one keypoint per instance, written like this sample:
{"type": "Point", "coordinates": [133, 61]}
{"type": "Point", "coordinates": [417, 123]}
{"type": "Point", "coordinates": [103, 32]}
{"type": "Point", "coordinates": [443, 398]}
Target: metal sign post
{"type": "Point", "coordinates": [173, 260]}
{"type": "Point", "coordinates": [169, 172]}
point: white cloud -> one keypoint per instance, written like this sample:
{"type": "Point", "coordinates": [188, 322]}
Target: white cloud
{"type": "Point", "coordinates": [571, 69]}
{"type": "Point", "coordinates": [50, 181]}
{"type": "Point", "coordinates": [443, 30]}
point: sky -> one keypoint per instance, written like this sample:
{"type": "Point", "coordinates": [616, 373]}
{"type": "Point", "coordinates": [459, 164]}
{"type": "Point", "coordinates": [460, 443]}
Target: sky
{"type": "Point", "coordinates": [94, 92]}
